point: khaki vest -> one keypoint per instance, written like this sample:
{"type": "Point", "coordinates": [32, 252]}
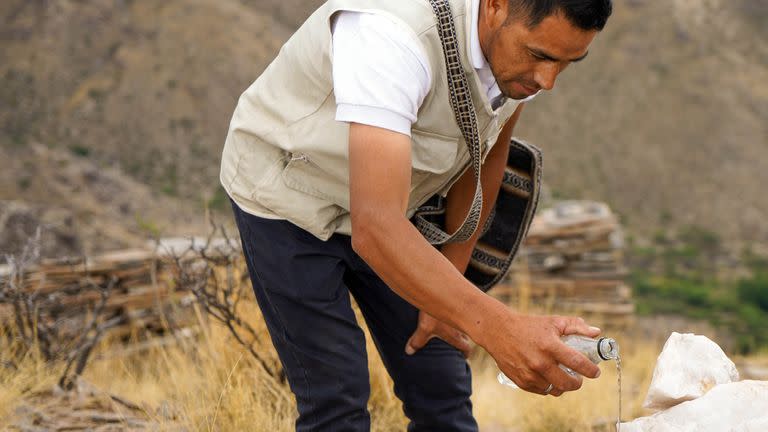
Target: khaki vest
{"type": "Point", "coordinates": [286, 157]}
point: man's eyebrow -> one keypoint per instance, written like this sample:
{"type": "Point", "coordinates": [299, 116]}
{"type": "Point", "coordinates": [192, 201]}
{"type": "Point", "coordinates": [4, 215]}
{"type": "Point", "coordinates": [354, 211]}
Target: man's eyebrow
{"type": "Point", "coordinates": [550, 57]}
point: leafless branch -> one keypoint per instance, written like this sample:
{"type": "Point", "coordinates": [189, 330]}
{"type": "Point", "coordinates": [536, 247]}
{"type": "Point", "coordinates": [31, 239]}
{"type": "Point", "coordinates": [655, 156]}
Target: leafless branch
{"type": "Point", "coordinates": [35, 316]}
{"type": "Point", "coordinates": [92, 333]}
{"type": "Point", "coordinates": [219, 297]}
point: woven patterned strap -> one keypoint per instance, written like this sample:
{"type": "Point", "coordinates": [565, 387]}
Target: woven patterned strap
{"type": "Point", "coordinates": [464, 110]}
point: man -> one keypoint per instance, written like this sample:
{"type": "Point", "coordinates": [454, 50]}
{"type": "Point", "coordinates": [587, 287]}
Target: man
{"type": "Point", "coordinates": [328, 155]}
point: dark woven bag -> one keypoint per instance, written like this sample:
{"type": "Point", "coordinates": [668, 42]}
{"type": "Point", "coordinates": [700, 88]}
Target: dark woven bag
{"type": "Point", "coordinates": [508, 223]}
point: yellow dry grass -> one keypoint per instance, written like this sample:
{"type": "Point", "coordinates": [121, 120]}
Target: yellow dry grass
{"type": "Point", "coordinates": [31, 375]}
{"type": "Point", "coordinates": [210, 383]}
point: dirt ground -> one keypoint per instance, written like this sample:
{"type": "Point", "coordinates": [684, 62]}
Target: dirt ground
{"type": "Point", "coordinates": [83, 409]}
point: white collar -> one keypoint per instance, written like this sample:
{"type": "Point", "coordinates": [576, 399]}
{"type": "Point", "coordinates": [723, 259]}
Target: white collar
{"type": "Point", "coordinates": [476, 55]}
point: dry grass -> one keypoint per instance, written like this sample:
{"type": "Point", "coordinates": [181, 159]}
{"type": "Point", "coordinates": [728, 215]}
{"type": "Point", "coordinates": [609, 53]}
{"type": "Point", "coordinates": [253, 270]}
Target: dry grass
{"type": "Point", "coordinates": [209, 382]}
{"type": "Point", "coordinates": [30, 376]}
{"type": "Point", "coordinates": [205, 383]}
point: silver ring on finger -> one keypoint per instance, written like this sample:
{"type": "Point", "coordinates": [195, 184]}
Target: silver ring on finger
{"type": "Point", "coordinates": [549, 388]}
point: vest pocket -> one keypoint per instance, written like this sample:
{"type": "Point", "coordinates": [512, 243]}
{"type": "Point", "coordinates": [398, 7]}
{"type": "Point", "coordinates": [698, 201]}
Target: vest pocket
{"type": "Point", "coordinates": [304, 206]}
{"type": "Point", "coordinates": [432, 152]}
{"type": "Point", "coordinates": [435, 159]}
{"type": "Point", "coordinates": [303, 175]}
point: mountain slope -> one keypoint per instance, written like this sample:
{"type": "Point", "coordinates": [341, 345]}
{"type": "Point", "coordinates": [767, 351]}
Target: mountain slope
{"type": "Point", "coordinates": [665, 121]}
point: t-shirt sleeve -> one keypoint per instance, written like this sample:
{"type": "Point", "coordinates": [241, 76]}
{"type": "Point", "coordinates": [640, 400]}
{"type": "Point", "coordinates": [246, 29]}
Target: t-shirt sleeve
{"type": "Point", "coordinates": [380, 72]}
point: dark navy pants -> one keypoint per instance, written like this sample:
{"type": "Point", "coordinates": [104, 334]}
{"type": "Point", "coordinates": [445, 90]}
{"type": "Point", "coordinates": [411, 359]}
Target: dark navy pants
{"type": "Point", "coordinates": [302, 285]}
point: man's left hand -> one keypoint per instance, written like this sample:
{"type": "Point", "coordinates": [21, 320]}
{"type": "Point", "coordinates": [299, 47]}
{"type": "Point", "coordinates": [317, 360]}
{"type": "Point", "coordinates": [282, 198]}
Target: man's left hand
{"type": "Point", "coordinates": [429, 327]}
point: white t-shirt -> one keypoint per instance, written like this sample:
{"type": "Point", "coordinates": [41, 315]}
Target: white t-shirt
{"type": "Point", "coordinates": [380, 70]}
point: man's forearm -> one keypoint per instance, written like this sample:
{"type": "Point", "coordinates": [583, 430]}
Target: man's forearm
{"type": "Point", "coordinates": [420, 274]}
{"type": "Point", "coordinates": [460, 196]}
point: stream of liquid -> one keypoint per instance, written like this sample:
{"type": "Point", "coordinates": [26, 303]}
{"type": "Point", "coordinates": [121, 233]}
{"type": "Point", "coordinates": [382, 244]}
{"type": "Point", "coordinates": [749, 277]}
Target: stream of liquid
{"type": "Point", "coordinates": [618, 374]}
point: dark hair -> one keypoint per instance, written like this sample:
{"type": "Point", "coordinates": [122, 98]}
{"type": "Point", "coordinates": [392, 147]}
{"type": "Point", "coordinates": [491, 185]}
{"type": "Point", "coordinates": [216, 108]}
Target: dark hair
{"type": "Point", "coordinates": [585, 14]}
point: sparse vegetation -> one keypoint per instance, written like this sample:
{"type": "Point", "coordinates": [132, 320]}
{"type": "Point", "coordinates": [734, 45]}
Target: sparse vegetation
{"type": "Point", "coordinates": [38, 332]}
{"type": "Point", "coordinates": [24, 182]}
{"type": "Point", "coordinates": [212, 382]}
{"type": "Point", "coordinates": [80, 150]}
{"type": "Point", "coordinates": [680, 275]}
{"type": "Point", "coordinates": [170, 180]}
{"type": "Point", "coordinates": [603, 136]}
{"type": "Point", "coordinates": [219, 200]}
{"type": "Point", "coordinates": [224, 376]}
{"type": "Point", "coordinates": [97, 94]}
{"type": "Point", "coordinates": [147, 226]}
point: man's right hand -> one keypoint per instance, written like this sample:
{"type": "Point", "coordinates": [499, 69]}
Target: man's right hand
{"type": "Point", "coordinates": [528, 349]}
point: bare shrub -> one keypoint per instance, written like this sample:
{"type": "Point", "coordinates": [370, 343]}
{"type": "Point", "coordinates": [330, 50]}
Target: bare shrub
{"type": "Point", "coordinates": [212, 270]}
{"type": "Point", "coordinates": [37, 327]}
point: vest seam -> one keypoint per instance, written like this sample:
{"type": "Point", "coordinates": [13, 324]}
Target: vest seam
{"type": "Point", "coordinates": [435, 134]}
{"type": "Point", "coordinates": [304, 117]}
{"type": "Point", "coordinates": [237, 170]}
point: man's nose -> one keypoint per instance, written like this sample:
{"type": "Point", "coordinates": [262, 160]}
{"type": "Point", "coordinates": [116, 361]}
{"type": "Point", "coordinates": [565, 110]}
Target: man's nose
{"type": "Point", "coordinates": [546, 74]}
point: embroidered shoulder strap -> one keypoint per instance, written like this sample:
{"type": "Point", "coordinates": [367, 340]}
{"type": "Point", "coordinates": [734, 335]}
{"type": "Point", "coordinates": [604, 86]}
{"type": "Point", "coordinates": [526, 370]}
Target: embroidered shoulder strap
{"type": "Point", "coordinates": [466, 118]}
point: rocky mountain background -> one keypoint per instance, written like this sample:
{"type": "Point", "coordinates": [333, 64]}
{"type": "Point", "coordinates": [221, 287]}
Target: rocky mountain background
{"type": "Point", "coordinates": [113, 115]}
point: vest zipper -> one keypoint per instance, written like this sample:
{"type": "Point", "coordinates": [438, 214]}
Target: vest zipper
{"type": "Point", "coordinates": [299, 157]}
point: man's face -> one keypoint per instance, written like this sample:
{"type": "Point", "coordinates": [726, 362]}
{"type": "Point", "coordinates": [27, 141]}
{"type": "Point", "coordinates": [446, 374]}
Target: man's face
{"type": "Point", "coordinates": [525, 60]}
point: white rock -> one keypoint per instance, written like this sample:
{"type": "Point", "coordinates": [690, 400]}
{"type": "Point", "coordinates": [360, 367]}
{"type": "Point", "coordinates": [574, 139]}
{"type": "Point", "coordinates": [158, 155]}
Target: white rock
{"type": "Point", "coordinates": [688, 367]}
{"type": "Point", "coordinates": [759, 425]}
{"type": "Point", "coordinates": [734, 407]}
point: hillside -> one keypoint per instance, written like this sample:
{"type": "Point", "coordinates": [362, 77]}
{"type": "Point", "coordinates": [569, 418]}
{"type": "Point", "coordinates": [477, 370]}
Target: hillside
{"type": "Point", "coordinates": [666, 120]}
